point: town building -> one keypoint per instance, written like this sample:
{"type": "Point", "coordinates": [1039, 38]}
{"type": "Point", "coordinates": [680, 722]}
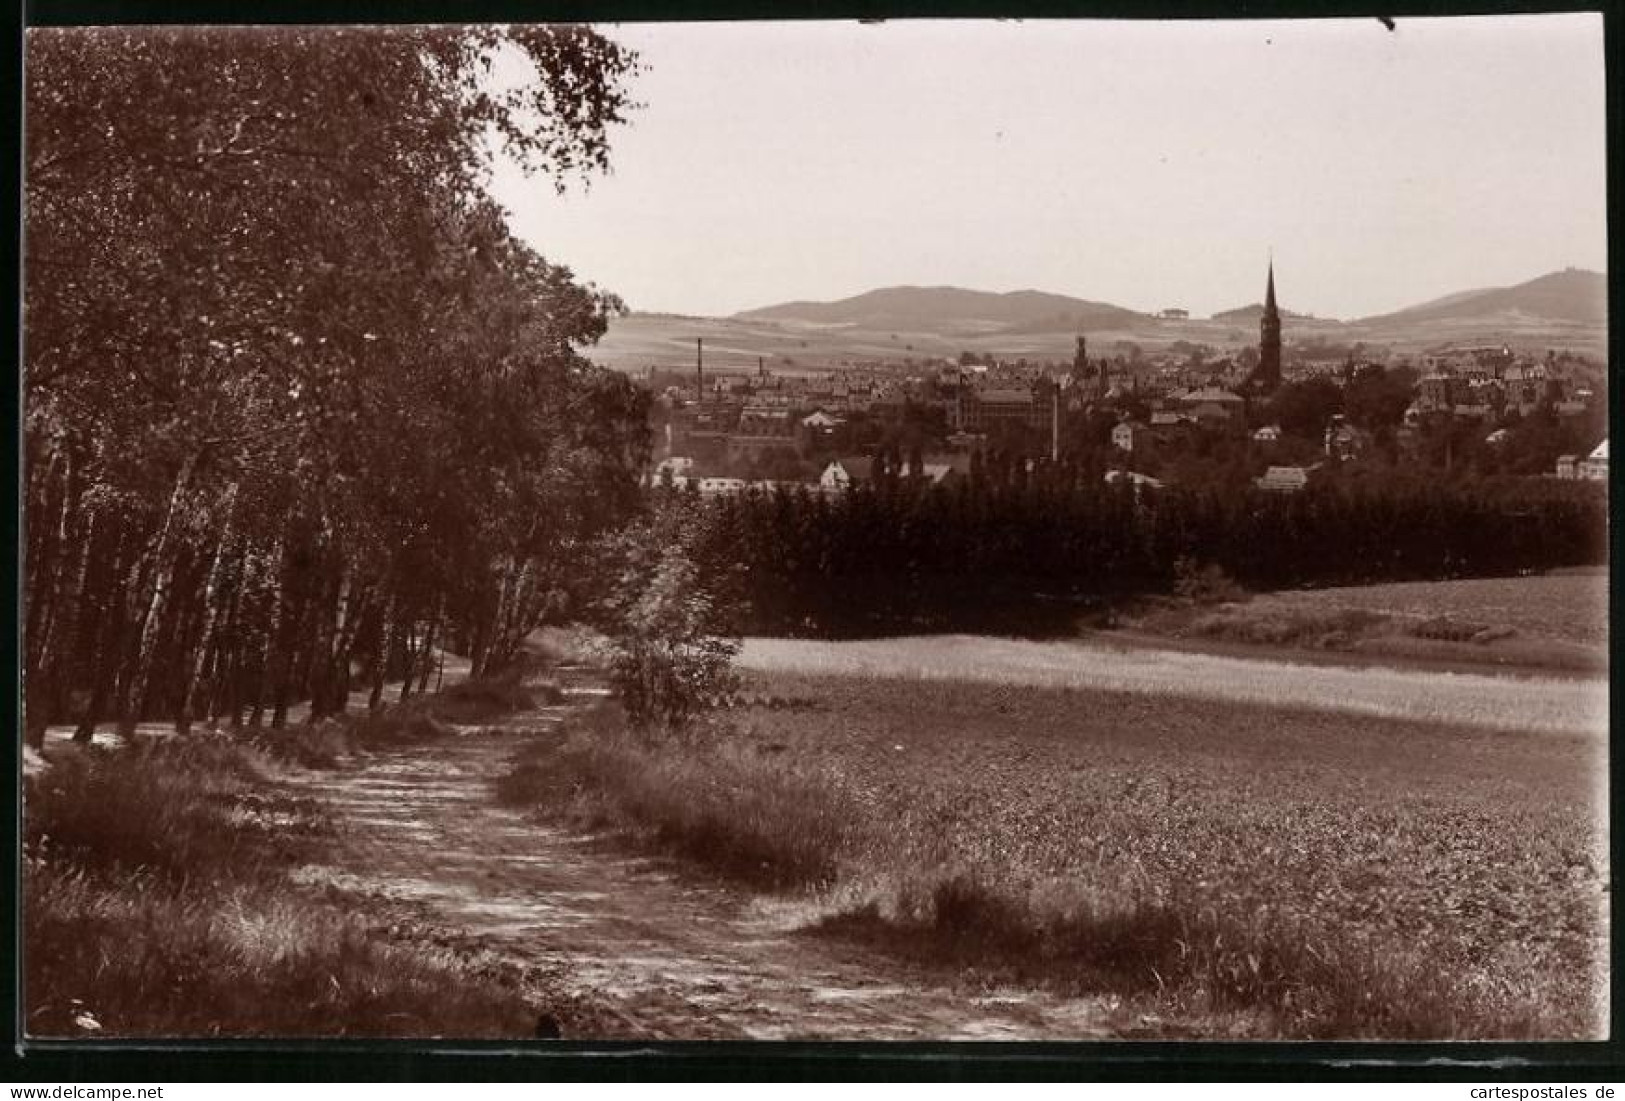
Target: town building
{"type": "Point", "coordinates": [1594, 467]}
{"type": "Point", "coordinates": [1131, 436]}
{"type": "Point", "coordinates": [1284, 479]}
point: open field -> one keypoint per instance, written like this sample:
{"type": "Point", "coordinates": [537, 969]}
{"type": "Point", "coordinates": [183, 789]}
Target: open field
{"type": "Point", "coordinates": [1367, 837]}
{"type": "Point", "coordinates": [1564, 606]}
{"type": "Point", "coordinates": [1216, 847]}
{"type": "Point", "coordinates": [1555, 622]}
{"type": "Point", "coordinates": [1531, 705]}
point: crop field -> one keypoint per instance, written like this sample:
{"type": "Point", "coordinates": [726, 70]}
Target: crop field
{"type": "Point", "coordinates": [1530, 705]}
{"type": "Point", "coordinates": [1458, 847]}
{"type": "Point", "coordinates": [1564, 606]}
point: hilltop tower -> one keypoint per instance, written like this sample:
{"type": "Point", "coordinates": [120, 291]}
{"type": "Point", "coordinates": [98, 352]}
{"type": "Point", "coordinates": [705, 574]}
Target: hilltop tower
{"type": "Point", "coordinates": [1268, 375]}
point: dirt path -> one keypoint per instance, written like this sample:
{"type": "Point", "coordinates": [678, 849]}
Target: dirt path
{"type": "Point", "coordinates": [672, 957]}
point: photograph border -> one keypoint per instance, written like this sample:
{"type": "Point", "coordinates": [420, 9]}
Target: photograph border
{"type": "Point", "coordinates": [238, 1060]}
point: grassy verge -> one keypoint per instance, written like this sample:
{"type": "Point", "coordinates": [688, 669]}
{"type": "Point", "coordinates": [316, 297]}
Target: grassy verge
{"type": "Point", "coordinates": [1264, 873]}
{"type": "Point", "coordinates": [718, 806]}
{"type": "Point", "coordinates": [157, 902]}
{"type": "Point", "coordinates": [421, 719]}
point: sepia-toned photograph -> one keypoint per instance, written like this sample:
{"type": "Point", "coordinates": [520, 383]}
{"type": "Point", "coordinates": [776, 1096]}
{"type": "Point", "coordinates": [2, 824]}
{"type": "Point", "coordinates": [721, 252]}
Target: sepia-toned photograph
{"type": "Point", "coordinates": [916, 530]}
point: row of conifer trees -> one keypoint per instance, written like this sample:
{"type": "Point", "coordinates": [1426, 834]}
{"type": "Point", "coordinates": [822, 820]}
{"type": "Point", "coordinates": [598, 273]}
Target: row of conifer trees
{"type": "Point", "coordinates": [1025, 554]}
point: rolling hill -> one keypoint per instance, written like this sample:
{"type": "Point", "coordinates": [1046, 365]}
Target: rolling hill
{"type": "Point", "coordinates": [1564, 309]}
{"type": "Point", "coordinates": [1569, 295]}
{"type": "Point", "coordinates": [1250, 314]}
{"type": "Point", "coordinates": [953, 309]}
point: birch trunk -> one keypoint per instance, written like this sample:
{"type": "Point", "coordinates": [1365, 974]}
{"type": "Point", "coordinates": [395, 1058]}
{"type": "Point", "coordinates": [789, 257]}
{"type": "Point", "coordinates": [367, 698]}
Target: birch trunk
{"type": "Point", "coordinates": [211, 618]}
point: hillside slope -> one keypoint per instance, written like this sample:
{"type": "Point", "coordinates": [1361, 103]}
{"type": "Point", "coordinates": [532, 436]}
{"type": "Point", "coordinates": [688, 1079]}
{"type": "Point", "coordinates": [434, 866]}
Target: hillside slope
{"type": "Point", "coordinates": [935, 309]}
{"type": "Point", "coordinates": [1569, 295]}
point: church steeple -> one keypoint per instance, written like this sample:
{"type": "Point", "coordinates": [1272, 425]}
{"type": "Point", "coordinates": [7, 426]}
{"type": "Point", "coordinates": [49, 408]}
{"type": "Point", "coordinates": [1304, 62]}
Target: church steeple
{"type": "Point", "coordinates": [1268, 375]}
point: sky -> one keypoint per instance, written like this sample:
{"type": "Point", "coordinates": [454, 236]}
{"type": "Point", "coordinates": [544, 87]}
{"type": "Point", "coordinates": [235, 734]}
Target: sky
{"type": "Point", "coordinates": [1149, 165]}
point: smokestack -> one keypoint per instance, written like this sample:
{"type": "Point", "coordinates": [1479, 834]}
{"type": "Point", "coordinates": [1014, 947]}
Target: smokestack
{"type": "Point", "coordinates": [1055, 425]}
{"type": "Point", "coordinates": [699, 368]}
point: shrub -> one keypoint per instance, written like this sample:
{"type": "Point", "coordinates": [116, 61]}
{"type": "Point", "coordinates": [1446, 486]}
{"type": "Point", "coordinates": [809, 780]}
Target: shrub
{"type": "Point", "coordinates": [671, 647]}
{"type": "Point", "coordinates": [1205, 584]}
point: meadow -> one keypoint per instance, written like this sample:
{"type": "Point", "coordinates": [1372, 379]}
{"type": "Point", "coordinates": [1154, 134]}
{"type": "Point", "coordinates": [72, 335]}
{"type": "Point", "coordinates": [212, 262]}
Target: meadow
{"type": "Point", "coordinates": [1555, 622]}
{"type": "Point", "coordinates": [1561, 606]}
{"type": "Point", "coordinates": [1224, 866]}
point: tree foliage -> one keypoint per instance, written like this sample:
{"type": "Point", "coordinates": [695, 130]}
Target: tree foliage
{"type": "Point", "coordinates": [295, 398]}
{"type": "Point", "coordinates": [1013, 551]}
{"type": "Point", "coordinates": [672, 639]}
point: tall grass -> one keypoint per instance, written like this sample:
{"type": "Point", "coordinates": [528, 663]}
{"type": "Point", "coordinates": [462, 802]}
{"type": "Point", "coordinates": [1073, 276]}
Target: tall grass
{"type": "Point", "coordinates": [421, 719]}
{"type": "Point", "coordinates": [156, 902]}
{"type": "Point", "coordinates": [713, 802]}
{"type": "Point", "coordinates": [148, 956]}
{"type": "Point", "coordinates": [734, 807]}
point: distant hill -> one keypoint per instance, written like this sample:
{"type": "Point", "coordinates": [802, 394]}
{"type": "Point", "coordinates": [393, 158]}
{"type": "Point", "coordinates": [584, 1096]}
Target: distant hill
{"type": "Point", "coordinates": [1566, 309]}
{"type": "Point", "coordinates": [1569, 295]}
{"type": "Point", "coordinates": [941, 309]}
{"type": "Point", "coordinates": [1251, 314]}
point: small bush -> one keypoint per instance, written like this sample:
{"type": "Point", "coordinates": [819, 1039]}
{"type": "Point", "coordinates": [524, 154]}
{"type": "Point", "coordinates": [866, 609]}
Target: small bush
{"type": "Point", "coordinates": [1205, 584]}
{"type": "Point", "coordinates": [1333, 629]}
{"type": "Point", "coordinates": [308, 745]}
{"type": "Point", "coordinates": [1445, 629]}
{"type": "Point", "coordinates": [671, 645]}
{"type": "Point", "coordinates": [477, 701]}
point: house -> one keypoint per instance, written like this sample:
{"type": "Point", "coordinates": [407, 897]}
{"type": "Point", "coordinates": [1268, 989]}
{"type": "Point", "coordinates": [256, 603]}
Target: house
{"type": "Point", "coordinates": [676, 470]}
{"type": "Point", "coordinates": [1131, 435]}
{"type": "Point", "coordinates": [1344, 440]}
{"type": "Point", "coordinates": [1138, 481]}
{"type": "Point", "coordinates": [1439, 391]}
{"type": "Point", "coordinates": [939, 469]}
{"type": "Point", "coordinates": [978, 409]}
{"type": "Point", "coordinates": [1567, 466]}
{"type": "Point", "coordinates": [1174, 313]}
{"type": "Point", "coordinates": [1498, 437]}
{"type": "Point", "coordinates": [1212, 405]}
{"type": "Point", "coordinates": [821, 430]}
{"type": "Point", "coordinates": [1594, 467]}
{"type": "Point", "coordinates": [1284, 479]}
{"type": "Point", "coordinates": [712, 487]}
{"type": "Point", "coordinates": [1270, 433]}
{"type": "Point", "coordinates": [844, 473]}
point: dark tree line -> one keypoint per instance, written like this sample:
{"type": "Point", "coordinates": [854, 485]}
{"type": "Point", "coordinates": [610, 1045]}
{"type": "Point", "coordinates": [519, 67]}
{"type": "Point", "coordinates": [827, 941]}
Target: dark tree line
{"type": "Point", "coordinates": [1026, 552]}
{"type": "Point", "coordinates": [297, 405]}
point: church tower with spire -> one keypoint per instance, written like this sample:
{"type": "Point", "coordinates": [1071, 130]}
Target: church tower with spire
{"type": "Point", "coordinates": [1268, 375]}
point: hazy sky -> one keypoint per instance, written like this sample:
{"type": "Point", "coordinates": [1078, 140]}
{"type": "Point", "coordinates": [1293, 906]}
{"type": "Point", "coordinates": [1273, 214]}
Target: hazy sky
{"type": "Point", "coordinates": [1144, 164]}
